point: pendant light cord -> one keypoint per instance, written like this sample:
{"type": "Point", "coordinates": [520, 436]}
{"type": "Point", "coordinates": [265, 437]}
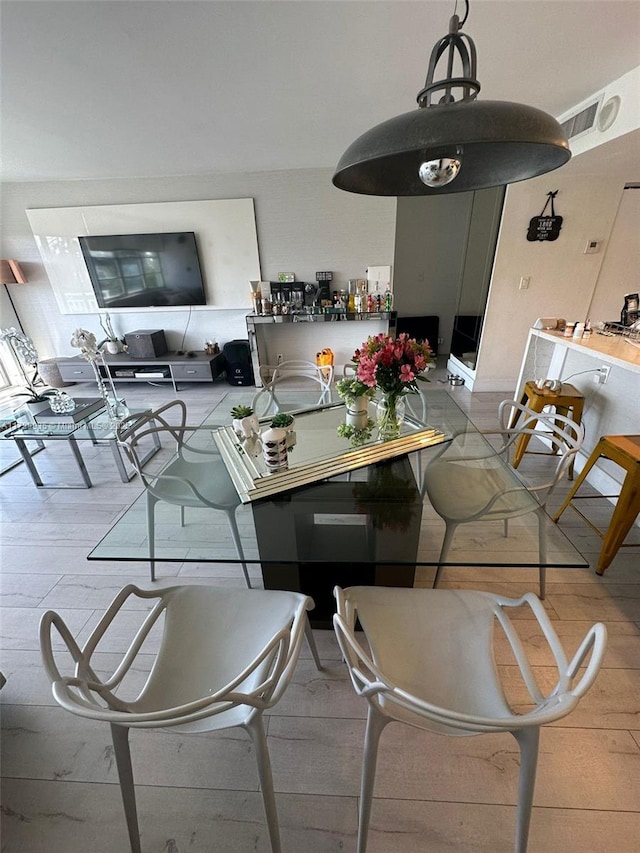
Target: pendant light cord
{"type": "Point", "coordinates": [466, 13]}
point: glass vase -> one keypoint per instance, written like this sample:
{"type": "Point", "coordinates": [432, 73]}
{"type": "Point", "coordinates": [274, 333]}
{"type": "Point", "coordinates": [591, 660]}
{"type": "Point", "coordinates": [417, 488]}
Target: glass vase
{"type": "Point", "coordinates": [389, 417]}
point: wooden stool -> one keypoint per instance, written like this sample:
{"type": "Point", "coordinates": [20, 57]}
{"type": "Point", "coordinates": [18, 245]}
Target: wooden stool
{"type": "Point", "coordinates": [567, 400]}
{"type": "Point", "coordinates": [624, 450]}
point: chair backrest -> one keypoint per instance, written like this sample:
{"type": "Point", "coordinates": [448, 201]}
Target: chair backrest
{"type": "Point", "coordinates": [292, 376]}
{"type": "Point", "coordinates": [564, 436]}
{"type": "Point", "coordinates": [220, 648]}
{"type": "Point", "coordinates": [431, 663]}
{"type": "Point", "coordinates": [168, 422]}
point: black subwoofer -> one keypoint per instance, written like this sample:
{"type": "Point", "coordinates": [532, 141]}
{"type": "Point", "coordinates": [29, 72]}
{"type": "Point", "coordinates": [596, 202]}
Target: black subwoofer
{"type": "Point", "coordinates": [238, 358]}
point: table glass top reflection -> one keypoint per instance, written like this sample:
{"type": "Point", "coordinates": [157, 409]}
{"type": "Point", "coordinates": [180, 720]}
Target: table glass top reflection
{"type": "Point", "coordinates": [378, 513]}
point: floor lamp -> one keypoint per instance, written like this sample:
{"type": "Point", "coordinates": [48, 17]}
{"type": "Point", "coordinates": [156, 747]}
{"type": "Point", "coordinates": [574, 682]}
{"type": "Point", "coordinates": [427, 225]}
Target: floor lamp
{"type": "Point", "coordinates": [10, 273]}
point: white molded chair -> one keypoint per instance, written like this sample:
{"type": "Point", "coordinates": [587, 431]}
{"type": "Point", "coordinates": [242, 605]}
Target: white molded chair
{"type": "Point", "coordinates": [431, 664]}
{"type": "Point", "coordinates": [195, 477]}
{"type": "Point", "coordinates": [225, 656]}
{"type": "Point", "coordinates": [467, 480]}
{"type": "Point", "coordinates": [295, 380]}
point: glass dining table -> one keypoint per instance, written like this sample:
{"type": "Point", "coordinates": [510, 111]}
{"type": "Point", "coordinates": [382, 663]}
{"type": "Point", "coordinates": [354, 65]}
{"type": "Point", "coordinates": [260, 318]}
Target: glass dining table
{"type": "Point", "coordinates": [371, 522]}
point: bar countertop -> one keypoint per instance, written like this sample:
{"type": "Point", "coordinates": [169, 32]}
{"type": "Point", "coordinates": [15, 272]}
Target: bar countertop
{"type": "Point", "coordinates": [617, 350]}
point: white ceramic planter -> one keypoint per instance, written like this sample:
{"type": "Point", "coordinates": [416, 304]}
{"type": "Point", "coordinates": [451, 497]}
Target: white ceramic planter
{"type": "Point", "coordinates": [246, 427]}
{"type": "Point", "coordinates": [36, 408]}
{"type": "Point", "coordinates": [357, 413]}
{"type": "Point", "coordinates": [274, 449]}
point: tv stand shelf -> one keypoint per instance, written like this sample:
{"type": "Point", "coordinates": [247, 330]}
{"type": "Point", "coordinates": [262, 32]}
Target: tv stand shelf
{"type": "Point", "coordinates": [170, 367]}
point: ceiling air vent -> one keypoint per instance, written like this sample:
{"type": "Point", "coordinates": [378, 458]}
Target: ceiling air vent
{"type": "Point", "coordinates": [581, 122]}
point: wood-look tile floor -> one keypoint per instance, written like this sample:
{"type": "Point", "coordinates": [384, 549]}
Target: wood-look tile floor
{"type": "Point", "coordinates": [200, 793]}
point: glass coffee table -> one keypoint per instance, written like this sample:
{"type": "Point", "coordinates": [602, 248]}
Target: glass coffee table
{"type": "Point", "coordinates": [96, 428]}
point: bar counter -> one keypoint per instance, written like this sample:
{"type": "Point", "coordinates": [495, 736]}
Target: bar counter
{"type": "Point", "coordinates": [611, 407]}
{"type": "Point", "coordinates": [614, 350]}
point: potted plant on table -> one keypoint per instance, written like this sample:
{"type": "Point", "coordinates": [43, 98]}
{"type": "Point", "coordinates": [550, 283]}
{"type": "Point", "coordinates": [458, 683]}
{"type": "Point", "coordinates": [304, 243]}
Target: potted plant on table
{"type": "Point", "coordinates": [245, 422]}
{"type": "Point", "coordinates": [112, 342]}
{"type": "Point", "coordinates": [37, 400]}
{"type": "Point", "coordinates": [277, 441]}
{"type": "Point", "coordinates": [356, 396]}
{"type": "Point", "coordinates": [286, 422]}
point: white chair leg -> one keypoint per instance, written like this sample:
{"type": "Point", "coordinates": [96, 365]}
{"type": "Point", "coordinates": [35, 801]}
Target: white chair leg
{"type": "Point", "coordinates": [151, 536]}
{"type": "Point", "coordinates": [120, 737]}
{"type": "Point", "coordinates": [256, 729]}
{"type": "Point", "coordinates": [312, 643]}
{"type": "Point", "coordinates": [375, 724]}
{"type": "Point", "coordinates": [542, 550]}
{"type": "Point", "coordinates": [236, 539]}
{"type": "Point", "coordinates": [446, 545]}
{"type": "Point", "coordinates": [528, 740]}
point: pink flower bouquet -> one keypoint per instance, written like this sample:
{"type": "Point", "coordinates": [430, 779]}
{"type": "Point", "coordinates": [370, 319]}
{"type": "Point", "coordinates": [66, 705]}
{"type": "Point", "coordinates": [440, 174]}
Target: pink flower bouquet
{"type": "Point", "coordinates": [393, 365]}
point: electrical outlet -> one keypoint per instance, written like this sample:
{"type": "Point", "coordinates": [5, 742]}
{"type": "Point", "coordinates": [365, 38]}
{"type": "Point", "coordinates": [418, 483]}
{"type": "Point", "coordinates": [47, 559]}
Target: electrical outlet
{"type": "Point", "coordinates": [602, 374]}
{"type": "Point", "coordinates": [525, 281]}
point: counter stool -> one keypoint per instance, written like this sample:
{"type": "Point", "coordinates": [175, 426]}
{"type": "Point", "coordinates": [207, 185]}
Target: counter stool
{"type": "Point", "coordinates": [624, 450]}
{"type": "Point", "coordinates": [568, 401]}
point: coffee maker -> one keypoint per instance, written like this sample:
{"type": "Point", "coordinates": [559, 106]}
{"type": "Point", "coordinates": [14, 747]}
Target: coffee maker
{"type": "Point", "coordinates": [630, 313]}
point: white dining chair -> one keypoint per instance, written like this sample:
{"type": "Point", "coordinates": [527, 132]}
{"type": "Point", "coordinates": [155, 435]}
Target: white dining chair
{"type": "Point", "coordinates": [470, 480]}
{"type": "Point", "coordinates": [291, 385]}
{"type": "Point", "coordinates": [430, 662]}
{"type": "Point", "coordinates": [225, 656]}
{"type": "Point", "coordinates": [194, 477]}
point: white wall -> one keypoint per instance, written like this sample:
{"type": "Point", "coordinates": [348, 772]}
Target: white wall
{"type": "Point", "coordinates": [304, 224]}
{"type": "Point", "coordinates": [620, 271]}
{"type": "Point", "coordinates": [562, 278]}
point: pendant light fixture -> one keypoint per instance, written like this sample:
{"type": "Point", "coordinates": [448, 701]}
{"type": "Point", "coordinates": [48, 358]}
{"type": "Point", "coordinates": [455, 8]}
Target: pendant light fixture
{"type": "Point", "coordinates": [455, 143]}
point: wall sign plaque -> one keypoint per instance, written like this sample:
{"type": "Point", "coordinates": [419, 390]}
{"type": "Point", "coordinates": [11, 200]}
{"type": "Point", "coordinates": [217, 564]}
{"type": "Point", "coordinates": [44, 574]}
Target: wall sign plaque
{"type": "Point", "coordinates": [545, 228]}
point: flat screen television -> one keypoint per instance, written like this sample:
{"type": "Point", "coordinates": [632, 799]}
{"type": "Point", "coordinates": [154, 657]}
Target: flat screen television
{"type": "Point", "coordinates": [144, 270]}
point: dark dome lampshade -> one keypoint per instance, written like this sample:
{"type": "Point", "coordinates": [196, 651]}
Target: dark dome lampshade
{"type": "Point", "coordinates": [453, 146]}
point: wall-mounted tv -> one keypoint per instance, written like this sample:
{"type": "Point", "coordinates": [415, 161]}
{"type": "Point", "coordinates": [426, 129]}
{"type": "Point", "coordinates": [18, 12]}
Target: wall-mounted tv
{"type": "Point", "coordinates": [144, 270]}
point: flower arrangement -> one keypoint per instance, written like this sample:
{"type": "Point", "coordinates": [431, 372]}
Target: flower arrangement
{"type": "Point", "coordinates": [35, 391]}
{"type": "Point", "coordinates": [85, 341]}
{"type": "Point", "coordinates": [22, 345]}
{"type": "Point", "coordinates": [394, 365]}
{"type": "Point", "coordinates": [113, 342]}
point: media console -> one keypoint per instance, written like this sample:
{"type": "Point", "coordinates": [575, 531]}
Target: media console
{"type": "Point", "coordinates": [170, 367]}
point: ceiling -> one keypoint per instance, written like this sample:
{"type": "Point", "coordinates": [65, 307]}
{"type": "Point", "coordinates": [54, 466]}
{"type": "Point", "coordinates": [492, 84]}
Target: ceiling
{"type": "Point", "coordinates": [105, 89]}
